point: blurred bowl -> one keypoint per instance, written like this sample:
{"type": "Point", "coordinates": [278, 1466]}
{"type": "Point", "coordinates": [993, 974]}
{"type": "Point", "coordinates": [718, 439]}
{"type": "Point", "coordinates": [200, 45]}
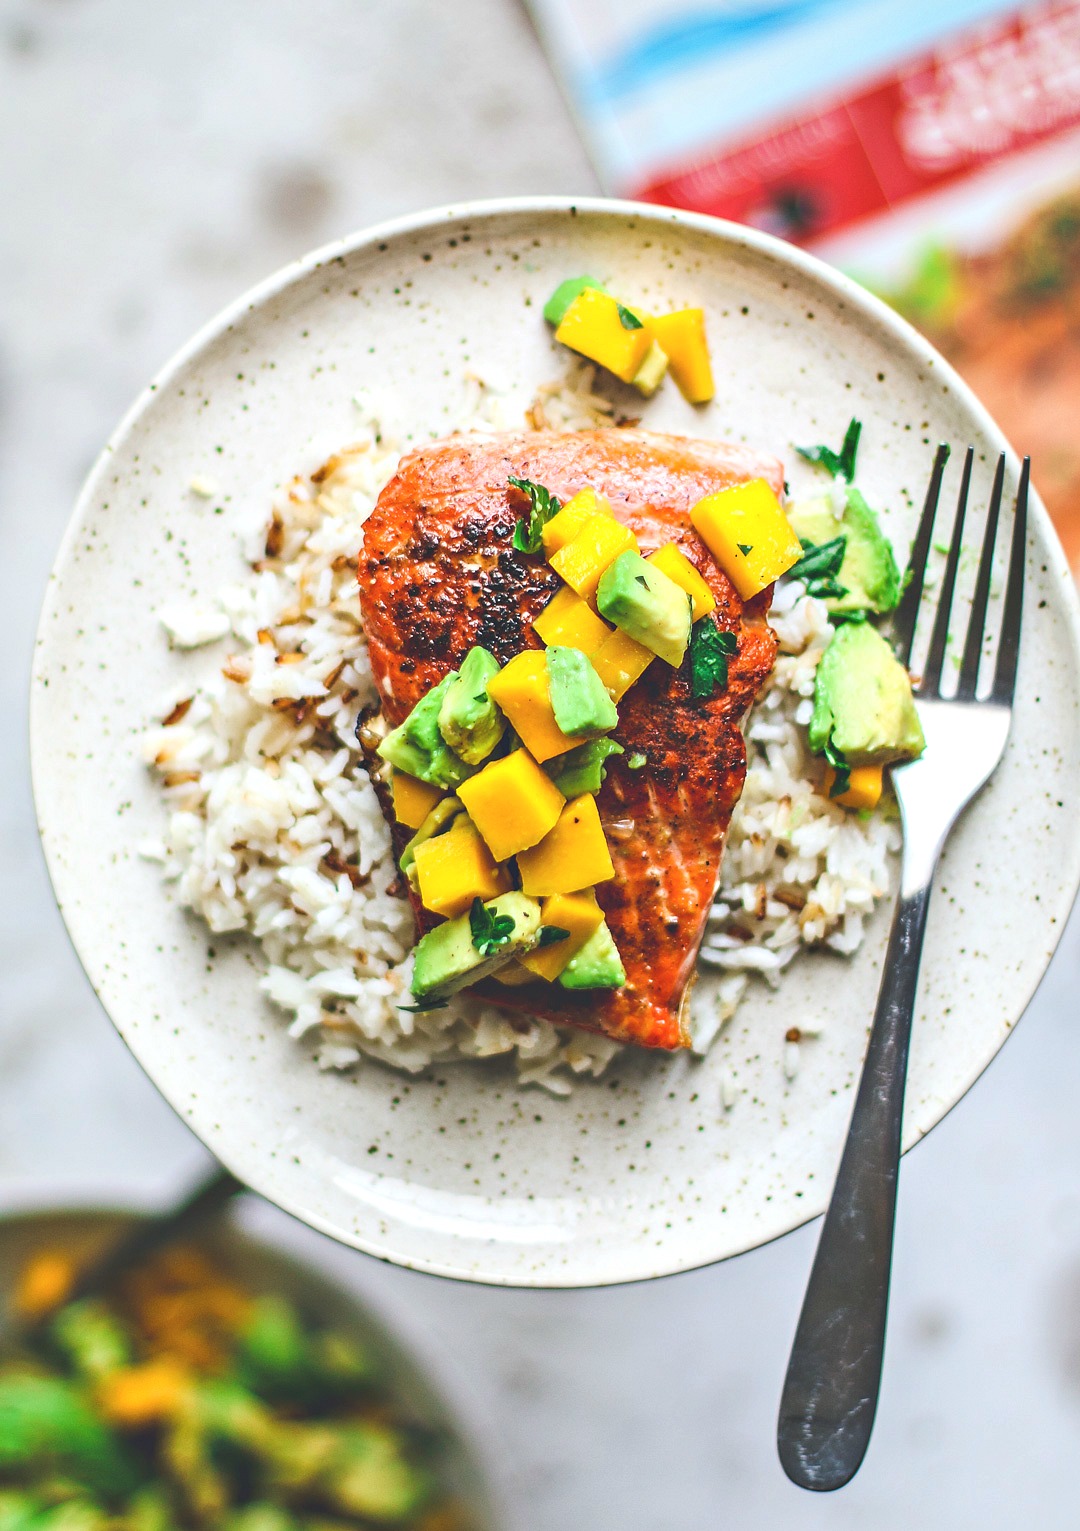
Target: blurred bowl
{"type": "Point", "coordinates": [261, 1269]}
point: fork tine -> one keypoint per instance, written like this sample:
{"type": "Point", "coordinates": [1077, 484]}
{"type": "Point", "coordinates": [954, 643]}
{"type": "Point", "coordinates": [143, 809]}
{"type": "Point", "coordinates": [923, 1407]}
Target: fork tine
{"type": "Point", "coordinates": [1009, 647]}
{"type": "Point", "coordinates": [969, 668]}
{"type": "Point", "coordinates": [908, 610]}
{"type": "Point", "coordinates": [935, 658]}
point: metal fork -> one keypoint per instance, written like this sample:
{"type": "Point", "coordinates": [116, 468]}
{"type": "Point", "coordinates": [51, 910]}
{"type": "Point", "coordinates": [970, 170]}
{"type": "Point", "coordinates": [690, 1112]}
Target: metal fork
{"type": "Point", "coordinates": [834, 1373]}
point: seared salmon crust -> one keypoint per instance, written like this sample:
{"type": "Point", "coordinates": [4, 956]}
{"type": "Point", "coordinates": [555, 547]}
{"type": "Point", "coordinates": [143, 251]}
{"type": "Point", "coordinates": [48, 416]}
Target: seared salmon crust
{"type": "Point", "coordinates": [438, 573]}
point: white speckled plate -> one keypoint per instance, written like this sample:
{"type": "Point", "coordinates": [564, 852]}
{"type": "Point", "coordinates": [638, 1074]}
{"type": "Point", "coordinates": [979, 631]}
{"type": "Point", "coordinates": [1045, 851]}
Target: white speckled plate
{"type": "Point", "coordinates": [642, 1173]}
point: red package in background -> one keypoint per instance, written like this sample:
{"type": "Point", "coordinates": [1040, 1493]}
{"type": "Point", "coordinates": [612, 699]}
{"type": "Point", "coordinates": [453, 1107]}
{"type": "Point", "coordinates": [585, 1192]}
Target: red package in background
{"type": "Point", "coordinates": [936, 157]}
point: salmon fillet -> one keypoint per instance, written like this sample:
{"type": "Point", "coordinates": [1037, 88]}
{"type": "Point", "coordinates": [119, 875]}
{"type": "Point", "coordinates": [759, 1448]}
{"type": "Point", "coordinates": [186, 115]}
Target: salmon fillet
{"type": "Point", "coordinates": [438, 573]}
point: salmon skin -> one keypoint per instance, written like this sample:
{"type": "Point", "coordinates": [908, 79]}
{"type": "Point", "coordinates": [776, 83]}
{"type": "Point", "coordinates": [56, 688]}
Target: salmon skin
{"type": "Point", "coordinates": [438, 573]}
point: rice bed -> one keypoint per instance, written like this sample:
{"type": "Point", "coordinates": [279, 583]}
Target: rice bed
{"type": "Point", "coordinates": [273, 828]}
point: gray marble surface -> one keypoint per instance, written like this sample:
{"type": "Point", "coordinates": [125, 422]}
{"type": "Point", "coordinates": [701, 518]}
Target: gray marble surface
{"type": "Point", "coordinates": [154, 160]}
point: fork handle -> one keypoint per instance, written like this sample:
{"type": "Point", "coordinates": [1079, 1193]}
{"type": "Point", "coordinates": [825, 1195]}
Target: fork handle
{"type": "Point", "coordinates": [834, 1373]}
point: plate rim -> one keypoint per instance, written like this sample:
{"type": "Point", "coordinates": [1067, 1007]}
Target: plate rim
{"type": "Point", "coordinates": [436, 219]}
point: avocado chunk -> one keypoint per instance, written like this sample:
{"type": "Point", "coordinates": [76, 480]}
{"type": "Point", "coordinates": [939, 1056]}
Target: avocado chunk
{"type": "Point", "coordinates": [650, 374]}
{"type": "Point", "coordinates": [441, 817]}
{"type": "Point", "coordinates": [863, 705]}
{"type": "Point", "coordinates": [417, 747]}
{"type": "Point", "coordinates": [561, 299]}
{"type": "Point", "coordinates": [469, 720]}
{"type": "Point", "coordinates": [369, 1476]}
{"type": "Point", "coordinates": [579, 698]}
{"type": "Point", "coordinates": [641, 600]}
{"type": "Point", "coordinates": [583, 769]}
{"type": "Point", "coordinates": [868, 574]}
{"type": "Point", "coordinates": [258, 1516]}
{"type": "Point", "coordinates": [18, 1512]}
{"type": "Point", "coordinates": [447, 958]}
{"type": "Point", "coordinates": [49, 1429]}
{"type": "Point", "coordinates": [597, 965]}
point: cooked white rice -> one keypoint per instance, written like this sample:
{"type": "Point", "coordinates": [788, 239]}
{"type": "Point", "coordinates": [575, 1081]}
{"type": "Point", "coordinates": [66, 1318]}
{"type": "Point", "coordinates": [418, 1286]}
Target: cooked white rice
{"type": "Point", "coordinates": [274, 829]}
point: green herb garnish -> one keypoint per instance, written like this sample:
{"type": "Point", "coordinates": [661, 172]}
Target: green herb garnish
{"type": "Point", "coordinates": [710, 650]}
{"type": "Point", "coordinates": [547, 935]}
{"type": "Point", "coordinates": [826, 589]}
{"type": "Point", "coordinates": [840, 464]}
{"type": "Point", "coordinates": [819, 566]}
{"type": "Point", "coordinates": [840, 767]}
{"type": "Point", "coordinates": [636, 761]}
{"type": "Point", "coordinates": [628, 320]}
{"type": "Point", "coordinates": [820, 560]}
{"type": "Point", "coordinates": [543, 505]}
{"type": "Point", "coordinates": [489, 931]}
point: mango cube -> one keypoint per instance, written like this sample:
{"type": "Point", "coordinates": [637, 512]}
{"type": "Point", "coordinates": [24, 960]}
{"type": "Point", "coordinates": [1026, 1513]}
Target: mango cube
{"type": "Point", "coordinates": [572, 856]}
{"type": "Point", "coordinates": [513, 975]}
{"type": "Point", "coordinates": [146, 1393]}
{"type": "Point", "coordinates": [748, 534]}
{"type": "Point", "coordinates": [620, 661]}
{"type": "Point", "coordinates": [681, 336]}
{"type": "Point", "coordinates": [413, 799]}
{"type": "Point", "coordinates": [454, 868]}
{"type": "Point", "coordinates": [573, 516]}
{"type": "Point", "coordinates": [577, 913]}
{"type": "Point", "coordinates": [863, 789]}
{"type": "Point", "coordinates": [593, 327]}
{"type": "Point", "coordinates": [512, 803]}
{"type": "Point", "coordinates": [569, 622]}
{"type": "Point", "coordinates": [679, 569]}
{"type": "Point", "coordinates": [521, 691]}
{"type": "Point", "coordinates": [585, 557]}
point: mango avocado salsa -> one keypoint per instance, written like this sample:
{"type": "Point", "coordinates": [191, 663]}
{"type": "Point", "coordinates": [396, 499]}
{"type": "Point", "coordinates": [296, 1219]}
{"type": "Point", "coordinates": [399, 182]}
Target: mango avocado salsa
{"type": "Point", "coordinates": [497, 767]}
{"type": "Point", "coordinates": [864, 715]}
{"type": "Point", "coordinates": [638, 347]}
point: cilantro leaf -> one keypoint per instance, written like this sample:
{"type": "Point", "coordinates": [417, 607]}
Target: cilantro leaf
{"type": "Point", "coordinates": [547, 935]}
{"type": "Point", "coordinates": [819, 566]}
{"type": "Point", "coordinates": [425, 1004]}
{"type": "Point", "coordinates": [821, 560]}
{"type": "Point", "coordinates": [849, 449]}
{"type": "Point", "coordinates": [489, 931]}
{"type": "Point", "coordinates": [840, 464]}
{"type": "Point", "coordinates": [824, 457]}
{"type": "Point", "coordinates": [840, 767]}
{"type": "Point", "coordinates": [709, 652]}
{"type": "Point", "coordinates": [636, 761]}
{"type": "Point", "coordinates": [542, 506]}
{"type": "Point", "coordinates": [628, 320]}
{"type": "Point", "coordinates": [827, 589]}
